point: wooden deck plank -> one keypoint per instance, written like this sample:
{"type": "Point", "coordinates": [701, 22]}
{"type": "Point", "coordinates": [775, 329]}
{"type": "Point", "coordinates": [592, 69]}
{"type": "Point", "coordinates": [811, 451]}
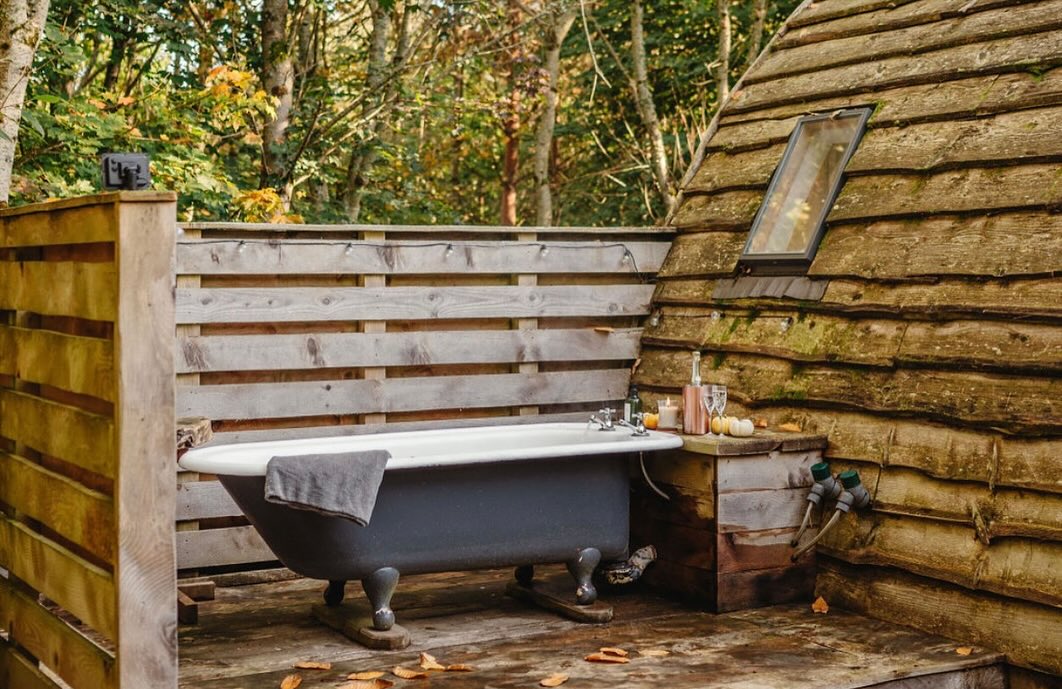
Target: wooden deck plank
{"type": "Point", "coordinates": [465, 618]}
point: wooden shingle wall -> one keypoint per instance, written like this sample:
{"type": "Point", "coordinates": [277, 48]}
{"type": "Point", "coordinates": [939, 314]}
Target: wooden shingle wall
{"type": "Point", "coordinates": [933, 358]}
{"type": "Point", "coordinates": [300, 330]}
{"type": "Point", "coordinates": [87, 577]}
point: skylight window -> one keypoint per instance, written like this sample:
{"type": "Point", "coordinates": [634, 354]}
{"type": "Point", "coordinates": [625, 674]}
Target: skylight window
{"type": "Point", "coordinates": [789, 224]}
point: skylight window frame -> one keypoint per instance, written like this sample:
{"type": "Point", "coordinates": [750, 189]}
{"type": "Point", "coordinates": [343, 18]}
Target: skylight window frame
{"type": "Point", "coordinates": [798, 262]}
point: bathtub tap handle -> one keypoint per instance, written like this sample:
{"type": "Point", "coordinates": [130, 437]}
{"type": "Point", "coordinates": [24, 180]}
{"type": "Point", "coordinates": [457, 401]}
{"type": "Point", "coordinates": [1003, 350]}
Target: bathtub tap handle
{"type": "Point", "coordinates": [638, 427]}
{"type": "Point", "coordinates": [603, 419]}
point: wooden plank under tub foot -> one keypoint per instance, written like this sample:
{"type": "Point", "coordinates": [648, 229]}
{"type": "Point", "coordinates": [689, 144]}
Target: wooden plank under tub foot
{"type": "Point", "coordinates": [541, 595]}
{"type": "Point", "coordinates": [357, 626]}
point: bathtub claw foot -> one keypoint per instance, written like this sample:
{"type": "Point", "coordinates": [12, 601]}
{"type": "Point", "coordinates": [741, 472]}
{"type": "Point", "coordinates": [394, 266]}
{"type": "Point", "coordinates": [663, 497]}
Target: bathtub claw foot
{"type": "Point", "coordinates": [333, 595]}
{"type": "Point", "coordinates": [582, 569]}
{"type": "Point", "coordinates": [525, 574]}
{"type": "Point", "coordinates": [379, 587]}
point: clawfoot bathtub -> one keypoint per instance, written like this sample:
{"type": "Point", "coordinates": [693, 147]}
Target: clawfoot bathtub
{"type": "Point", "coordinates": [451, 500]}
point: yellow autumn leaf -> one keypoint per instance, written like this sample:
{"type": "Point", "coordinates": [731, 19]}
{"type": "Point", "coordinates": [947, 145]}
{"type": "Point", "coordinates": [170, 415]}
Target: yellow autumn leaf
{"type": "Point", "coordinates": [820, 605]}
{"type": "Point", "coordinates": [789, 427]}
{"type": "Point", "coordinates": [611, 651]}
{"type": "Point", "coordinates": [291, 682]}
{"type": "Point", "coordinates": [406, 673]}
{"type": "Point", "coordinates": [312, 665]}
{"type": "Point", "coordinates": [365, 675]}
{"type": "Point", "coordinates": [367, 684]}
{"type": "Point", "coordinates": [428, 662]}
{"type": "Point", "coordinates": [654, 653]}
{"type": "Point", "coordinates": [459, 667]}
{"type": "Point", "coordinates": [964, 650]}
{"type": "Point", "coordinates": [554, 680]}
{"type": "Point", "coordinates": [606, 658]}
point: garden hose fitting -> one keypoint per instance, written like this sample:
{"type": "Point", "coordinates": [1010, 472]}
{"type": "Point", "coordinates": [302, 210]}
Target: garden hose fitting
{"type": "Point", "coordinates": [825, 487]}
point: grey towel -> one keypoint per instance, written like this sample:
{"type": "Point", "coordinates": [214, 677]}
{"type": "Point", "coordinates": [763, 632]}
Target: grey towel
{"type": "Point", "coordinates": [340, 485]}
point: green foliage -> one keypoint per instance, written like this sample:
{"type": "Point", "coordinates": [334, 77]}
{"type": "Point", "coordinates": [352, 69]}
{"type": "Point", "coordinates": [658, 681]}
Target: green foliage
{"type": "Point", "coordinates": [181, 81]}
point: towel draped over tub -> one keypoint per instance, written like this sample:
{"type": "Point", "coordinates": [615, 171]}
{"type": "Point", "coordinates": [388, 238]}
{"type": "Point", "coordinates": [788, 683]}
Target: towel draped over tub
{"type": "Point", "coordinates": [342, 484]}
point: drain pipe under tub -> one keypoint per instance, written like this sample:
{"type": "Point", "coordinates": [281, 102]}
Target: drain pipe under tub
{"type": "Point", "coordinates": [854, 495]}
{"type": "Point", "coordinates": [623, 573]}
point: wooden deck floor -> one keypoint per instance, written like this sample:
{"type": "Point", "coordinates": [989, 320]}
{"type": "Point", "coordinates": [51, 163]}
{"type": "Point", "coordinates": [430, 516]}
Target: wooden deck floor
{"type": "Point", "coordinates": [250, 637]}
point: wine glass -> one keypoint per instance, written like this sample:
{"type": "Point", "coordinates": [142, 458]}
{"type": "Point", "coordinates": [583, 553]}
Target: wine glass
{"type": "Point", "coordinates": [708, 400]}
{"type": "Point", "coordinates": [719, 393]}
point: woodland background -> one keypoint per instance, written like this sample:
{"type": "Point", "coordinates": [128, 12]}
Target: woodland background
{"type": "Point", "coordinates": [511, 112]}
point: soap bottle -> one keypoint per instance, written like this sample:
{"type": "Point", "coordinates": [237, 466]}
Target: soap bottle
{"type": "Point", "coordinates": [632, 405]}
{"type": "Point", "coordinates": [694, 419]}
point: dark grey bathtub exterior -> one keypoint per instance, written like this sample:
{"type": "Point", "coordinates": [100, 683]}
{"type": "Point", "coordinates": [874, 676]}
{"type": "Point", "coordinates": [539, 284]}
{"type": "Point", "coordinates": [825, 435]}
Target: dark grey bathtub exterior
{"type": "Point", "coordinates": [573, 510]}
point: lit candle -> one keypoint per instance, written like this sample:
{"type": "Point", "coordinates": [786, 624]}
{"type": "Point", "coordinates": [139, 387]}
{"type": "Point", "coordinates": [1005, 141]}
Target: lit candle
{"type": "Point", "coordinates": [668, 414]}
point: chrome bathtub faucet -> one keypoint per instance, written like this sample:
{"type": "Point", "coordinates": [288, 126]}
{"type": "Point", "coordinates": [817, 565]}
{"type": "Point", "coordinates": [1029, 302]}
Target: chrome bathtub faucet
{"type": "Point", "coordinates": [603, 419]}
{"type": "Point", "coordinates": [638, 426]}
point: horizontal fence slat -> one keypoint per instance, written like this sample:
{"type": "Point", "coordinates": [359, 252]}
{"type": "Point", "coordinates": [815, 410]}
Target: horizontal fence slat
{"type": "Point", "coordinates": [59, 430]}
{"type": "Point", "coordinates": [260, 435]}
{"type": "Point", "coordinates": [80, 225]}
{"type": "Point", "coordinates": [235, 545]}
{"type": "Point", "coordinates": [200, 354]}
{"type": "Point", "coordinates": [269, 257]}
{"type": "Point", "coordinates": [81, 588]}
{"type": "Point", "coordinates": [264, 305]}
{"type": "Point", "coordinates": [204, 500]}
{"type": "Point", "coordinates": [60, 288]}
{"type": "Point", "coordinates": [19, 672]}
{"type": "Point", "coordinates": [75, 512]}
{"type": "Point", "coordinates": [77, 660]}
{"type": "Point", "coordinates": [284, 400]}
{"type": "Point", "coordinates": [444, 230]}
{"type": "Point", "coordinates": [83, 365]}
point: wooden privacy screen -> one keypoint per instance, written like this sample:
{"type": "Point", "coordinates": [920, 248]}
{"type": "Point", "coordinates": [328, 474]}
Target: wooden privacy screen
{"type": "Point", "coordinates": [86, 443]}
{"type": "Point", "coordinates": [284, 329]}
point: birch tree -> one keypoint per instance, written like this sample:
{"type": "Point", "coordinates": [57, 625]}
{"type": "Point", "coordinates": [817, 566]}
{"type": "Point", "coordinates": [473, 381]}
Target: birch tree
{"type": "Point", "coordinates": [759, 19]}
{"type": "Point", "coordinates": [647, 108]}
{"type": "Point", "coordinates": [21, 25]}
{"type": "Point", "coordinates": [722, 79]}
{"type": "Point", "coordinates": [278, 78]}
{"type": "Point", "coordinates": [559, 24]}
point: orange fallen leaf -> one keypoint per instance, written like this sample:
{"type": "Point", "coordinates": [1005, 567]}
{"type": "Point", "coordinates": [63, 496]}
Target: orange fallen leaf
{"type": "Point", "coordinates": [605, 658]}
{"type": "Point", "coordinates": [604, 329]}
{"type": "Point", "coordinates": [428, 662]}
{"type": "Point", "coordinates": [820, 605]}
{"type": "Point", "coordinates": [459, 667]}
{"type": "Point", "coordinates": [291, 682]}
{"type": "Point", "coordinates": [964, 650]}
{"type": "Point", "coordinates": [554, 680]}
{"type": "Point", "coordinates": [610, 651]}
{"type": "Point", "coordinates": [789, 427]}
{"type": "Point", "coordinates": [405, 673]}
{"type": "Point", "coordinates": [312, 665]}
{"type": "Point", "coordinates": [654, 653]}
{"type": "Point", "coordinates": [367, 684]}
{"type": "Point", "coordinates": [374, 674]}
{"type": "Point", "coordinates": [760, 423]}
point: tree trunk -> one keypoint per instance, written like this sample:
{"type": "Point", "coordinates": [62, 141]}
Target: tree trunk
{"type": "Point", "coordinates": [21, 25]}
{"type": "Point", "coordinates": [555, 33]}
{"type": "Point", "coordinates": [511, 123]}
{"type": "Point", "coordinates": [759, 18]}
{"type": "Point", "coordinates": [647, 109]}
{"type": "Point", "coordinates": [722, 78]}
{"type": "Point", "coordinates": [278, 77]}
{"type": "Point", "coordinates": [363, 157]}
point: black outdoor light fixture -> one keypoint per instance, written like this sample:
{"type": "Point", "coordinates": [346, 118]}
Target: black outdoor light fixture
{"type": "Point", "coordinates": [789, 225]}
{"type": "Point", "coordinates": [127, 171]}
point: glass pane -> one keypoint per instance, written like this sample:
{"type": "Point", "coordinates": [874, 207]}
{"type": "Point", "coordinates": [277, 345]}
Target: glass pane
{"type": "Point", "coordinates": [805, 184]}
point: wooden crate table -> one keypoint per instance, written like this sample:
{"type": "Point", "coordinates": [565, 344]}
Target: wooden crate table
{"type": "Point", "coordinates": [723, 538]}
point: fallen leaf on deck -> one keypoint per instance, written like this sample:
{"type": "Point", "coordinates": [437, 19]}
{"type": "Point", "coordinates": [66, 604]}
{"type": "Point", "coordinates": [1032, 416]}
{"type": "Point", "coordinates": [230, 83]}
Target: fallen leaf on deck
{"type": "Point", "coordinates": [820, 605]}
{"type": "Point", "coordinates": [367, 684]}
{"type": "Point", "coordinates": [366, 675]}
{"type": "Point", "coordinates": [312, 665]}
{"type": "Point", "coordinates": [291, 682]}
{"type": "Point", "coordinates": [610, 651]}
{"type": "Point", "coordinates": [604, 329]}
{"type": "Point", "coordinates": [405, 673]}
{"type": "Point", "coordinates": [605, 658]}
{"type": "Point", "coordinates": [459, 667]}
{"type": "Point", "coordinates": [964, 650]}
{"type": "Point", "coordinates": [428, 662]}
{"type": "Point", "coordinates": [760, 423]}
{"type": "Point", "coordinates": [789, 427]}
{"type": "Point", "coordinates": [654, 653]}
{"type": "Point", "coordinates": [554, 680]}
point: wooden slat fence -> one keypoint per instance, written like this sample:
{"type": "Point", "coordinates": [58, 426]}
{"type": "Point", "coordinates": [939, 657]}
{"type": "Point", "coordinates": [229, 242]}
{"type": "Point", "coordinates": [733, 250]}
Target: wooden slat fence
{"type": "Point", "coordinates": [295, 330]}
{"type": "Point", "coordinates": [86, 444]}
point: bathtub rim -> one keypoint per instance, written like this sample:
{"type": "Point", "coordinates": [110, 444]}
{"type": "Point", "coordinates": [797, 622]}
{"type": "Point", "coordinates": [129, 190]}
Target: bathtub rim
{"type": "Point", "coordinates": [250, 459]}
